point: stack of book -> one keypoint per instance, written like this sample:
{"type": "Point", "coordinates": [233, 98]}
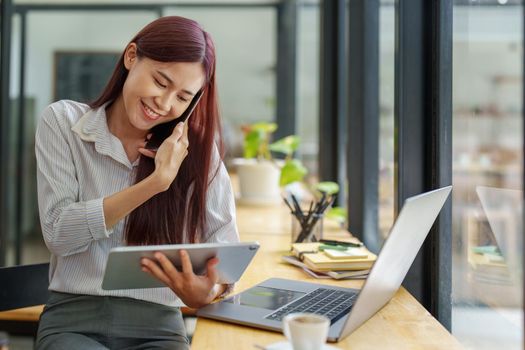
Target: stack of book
{"type": "Point", "coordinates": [332, 260]}
{"type": "Point", "coordinates": [489, 266]}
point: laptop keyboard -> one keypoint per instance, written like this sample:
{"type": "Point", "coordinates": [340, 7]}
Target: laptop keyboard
{"type": "Point", "coordinates": [333, 304]}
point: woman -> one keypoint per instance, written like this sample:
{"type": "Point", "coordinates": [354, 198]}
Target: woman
{"type": "Point", "coordinates": [100, 186]}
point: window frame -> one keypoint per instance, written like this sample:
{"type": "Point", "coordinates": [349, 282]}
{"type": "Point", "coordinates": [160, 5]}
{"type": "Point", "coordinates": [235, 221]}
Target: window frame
{"type": "Point", "coordinates": [423, 154]}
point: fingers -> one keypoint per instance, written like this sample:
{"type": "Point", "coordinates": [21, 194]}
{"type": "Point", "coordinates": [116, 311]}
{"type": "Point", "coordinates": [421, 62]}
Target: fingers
{"type": "Point", "coordinates": [212, 273]}
{"type": "Point", "coordinates": [167, 266]}
{"type": "Point", "coordinates": [152, 268]}
{"type": "Point", "coordinates": [184, 137]}
{"type": "Point", "coordinates": [194, 291]}
{"type": "Point", "coordinates": [186, 128]}
{"type": "Point", "coordinates": [187, 268]}
{"type": "Point", "coordinates": [178, 131]}
{"type": "Point", "coordinates": [147, 152]}
{"type": "Point", "coordinates": [144, 143]}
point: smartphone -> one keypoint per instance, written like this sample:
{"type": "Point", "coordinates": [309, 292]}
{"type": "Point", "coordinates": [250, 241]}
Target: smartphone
{"type": "Point", "coordinates": [162, 131]}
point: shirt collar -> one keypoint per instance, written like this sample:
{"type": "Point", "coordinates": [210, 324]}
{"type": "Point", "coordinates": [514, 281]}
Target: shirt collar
{"type": "Point", "coordinates": [93, 127]}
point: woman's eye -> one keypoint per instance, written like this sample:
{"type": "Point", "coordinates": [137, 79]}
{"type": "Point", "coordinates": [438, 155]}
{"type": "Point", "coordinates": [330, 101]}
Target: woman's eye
{"type": "Point", "coordinates": [183, 99]}
{"type": "Point", "coordinates": [159, 84]}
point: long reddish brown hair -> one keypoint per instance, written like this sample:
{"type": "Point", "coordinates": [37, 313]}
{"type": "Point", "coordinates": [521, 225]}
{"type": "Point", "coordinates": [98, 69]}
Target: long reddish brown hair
{"type": "Point", "coordinates": [163, 218]}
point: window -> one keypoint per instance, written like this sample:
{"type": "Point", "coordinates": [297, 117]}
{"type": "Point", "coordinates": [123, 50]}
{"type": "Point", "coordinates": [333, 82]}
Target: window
{"type": "Point", "coordinates": [245, 39]}
{"type": "Point", "coordinates": [487, 237]}
{"type": "Point", "coordinates": [386, 116]}
{"type": "Point", "coordinates": [308, 83]}
{"type": "Point", "coordinates": [50, 34]}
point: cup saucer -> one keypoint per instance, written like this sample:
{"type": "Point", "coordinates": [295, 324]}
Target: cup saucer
{"type": "Point", "coordinates": [286, 345]}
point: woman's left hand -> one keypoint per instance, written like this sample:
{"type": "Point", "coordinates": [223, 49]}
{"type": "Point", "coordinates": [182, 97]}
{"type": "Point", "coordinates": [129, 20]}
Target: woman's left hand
{"type": "Point", "coordinates": [195, 291]}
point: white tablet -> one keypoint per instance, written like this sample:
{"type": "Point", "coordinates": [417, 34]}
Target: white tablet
{"type": "Point", "coordinates": [123, 269]}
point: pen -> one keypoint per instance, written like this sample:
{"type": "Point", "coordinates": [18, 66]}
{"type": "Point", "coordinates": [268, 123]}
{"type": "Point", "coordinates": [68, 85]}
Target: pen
{"type": "Point", "coordinates": [340, 243]}
{"type": "Point", "coordinates": [323, 247]}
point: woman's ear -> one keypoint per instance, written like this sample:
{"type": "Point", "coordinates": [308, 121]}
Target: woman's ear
{"type": "Point", "coordinates": [130, 55]}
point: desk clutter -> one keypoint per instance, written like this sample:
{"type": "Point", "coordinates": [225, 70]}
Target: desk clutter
{"type": "Point", "coordinates": [488, 265]}
{"type": "Point", "coordinates": [307, 224]}
{"type": "Point", "coordinates": [331, 259]}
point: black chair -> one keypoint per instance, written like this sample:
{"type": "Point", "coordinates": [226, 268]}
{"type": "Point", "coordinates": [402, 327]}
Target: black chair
{"type": "Point", "coordinates": [23, 286]}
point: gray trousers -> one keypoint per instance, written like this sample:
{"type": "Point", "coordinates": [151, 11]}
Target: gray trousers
{"type": "Point", "coordinates": [71, 321]}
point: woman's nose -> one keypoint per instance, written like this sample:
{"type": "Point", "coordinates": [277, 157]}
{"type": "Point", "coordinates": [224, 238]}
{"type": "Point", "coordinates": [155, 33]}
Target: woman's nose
{"type": "Point", "coordinates": [164, 102]}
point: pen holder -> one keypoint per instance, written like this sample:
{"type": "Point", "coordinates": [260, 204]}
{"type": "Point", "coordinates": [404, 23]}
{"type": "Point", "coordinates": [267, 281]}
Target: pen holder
{"type": "Point", "coordinates": [307, 229]}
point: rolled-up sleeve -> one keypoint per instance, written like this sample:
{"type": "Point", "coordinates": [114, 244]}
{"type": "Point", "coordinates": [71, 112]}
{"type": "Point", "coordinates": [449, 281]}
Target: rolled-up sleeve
{"type": "Point", "coordinates": [69, 226]}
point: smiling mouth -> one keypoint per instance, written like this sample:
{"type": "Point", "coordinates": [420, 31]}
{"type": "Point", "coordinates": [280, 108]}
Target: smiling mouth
{"type": "Point", "coordinates": [150, 113]}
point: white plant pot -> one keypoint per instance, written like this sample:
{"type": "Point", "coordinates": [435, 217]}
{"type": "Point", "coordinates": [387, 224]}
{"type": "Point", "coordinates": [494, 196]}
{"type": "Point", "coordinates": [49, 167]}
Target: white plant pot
{"type": "Point", "coordinates": [258, 182]}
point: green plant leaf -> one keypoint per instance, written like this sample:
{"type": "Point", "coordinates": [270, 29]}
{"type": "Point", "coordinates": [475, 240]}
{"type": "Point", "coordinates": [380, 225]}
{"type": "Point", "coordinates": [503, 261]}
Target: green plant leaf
{"type": "Point", "coordinates": [327, 187]}
{"type": "Point", "coordinates": [338, 214]}
{"type": "Point", "coordinates": [252, 142]}
{"type": "Point", "coordinates": [256, 138]}
{"type": "Point", "coordinates": [292, 171]}
{"type": "Point", "coordinates": [265, 127]}
{"type": "Point", "coordinates": [287, 145]}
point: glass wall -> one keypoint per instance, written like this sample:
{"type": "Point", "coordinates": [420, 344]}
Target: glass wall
{"type": "Point", "coordinates": [308, 32]}
{"type": "Point", "coordinates": [246, 43]}
{"type": "Point", "coordinates": [69, 54]}
{"type": "Point", "coordinates": [387, 21]}
{"type": "Point", "coordinates": [487, 175]}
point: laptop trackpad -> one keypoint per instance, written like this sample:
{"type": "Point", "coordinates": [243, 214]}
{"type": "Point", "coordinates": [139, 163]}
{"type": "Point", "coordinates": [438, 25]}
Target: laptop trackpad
{"type": "Point", "coordinates": [265, 297]}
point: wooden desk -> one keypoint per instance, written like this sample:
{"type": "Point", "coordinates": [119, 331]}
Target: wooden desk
{"type": "Point", "coordinates": [26, 314]}
{"type": "Point", "coordinates": [402, 324]}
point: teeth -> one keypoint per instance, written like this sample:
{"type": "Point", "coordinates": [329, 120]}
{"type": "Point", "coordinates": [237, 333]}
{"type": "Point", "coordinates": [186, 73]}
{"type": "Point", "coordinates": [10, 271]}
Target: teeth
{"type": "Point", "coordinates": [151, 112]}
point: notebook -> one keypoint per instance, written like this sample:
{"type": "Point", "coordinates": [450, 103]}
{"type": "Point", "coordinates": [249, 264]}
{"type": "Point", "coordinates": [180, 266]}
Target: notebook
{"type": "Point", "coordinates": [322, 262]}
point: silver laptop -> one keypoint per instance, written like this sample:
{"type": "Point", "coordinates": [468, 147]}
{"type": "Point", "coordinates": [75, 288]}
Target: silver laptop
{"type": "Point", "coordinates": [264, 305]}
{"type": "Point", "coordinates": [504, 211]}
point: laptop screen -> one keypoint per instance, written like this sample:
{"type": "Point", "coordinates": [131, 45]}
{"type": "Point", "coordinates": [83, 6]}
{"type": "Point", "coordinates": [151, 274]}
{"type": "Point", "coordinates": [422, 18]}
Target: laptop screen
{"type": "Point", "coordinates": [265, 298]}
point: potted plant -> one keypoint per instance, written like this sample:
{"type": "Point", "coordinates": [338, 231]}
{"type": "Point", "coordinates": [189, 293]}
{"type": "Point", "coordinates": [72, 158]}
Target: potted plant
{"type": "Point", "coordinates": [260, 175]}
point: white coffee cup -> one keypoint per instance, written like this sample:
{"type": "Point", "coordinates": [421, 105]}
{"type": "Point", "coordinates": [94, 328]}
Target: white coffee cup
{"type": "Point", "coordinates": [306, 331]}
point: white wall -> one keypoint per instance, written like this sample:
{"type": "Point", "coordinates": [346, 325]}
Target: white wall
{"type": "Point", "coordinates": [487, 77]}
{"type": "Point", "coordinates": [487, 56]}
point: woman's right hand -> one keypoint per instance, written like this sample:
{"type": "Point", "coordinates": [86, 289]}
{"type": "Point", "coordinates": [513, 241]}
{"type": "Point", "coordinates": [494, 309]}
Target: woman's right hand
{"type": "Point", "coordinates": [169, 156]}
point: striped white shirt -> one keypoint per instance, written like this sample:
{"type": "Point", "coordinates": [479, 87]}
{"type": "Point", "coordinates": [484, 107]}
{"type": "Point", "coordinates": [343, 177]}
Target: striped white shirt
{"type": "Point", "coordinates": [79, 162]}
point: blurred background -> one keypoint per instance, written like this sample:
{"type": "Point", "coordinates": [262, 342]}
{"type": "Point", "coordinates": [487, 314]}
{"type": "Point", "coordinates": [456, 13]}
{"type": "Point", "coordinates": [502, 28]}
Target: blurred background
{"type": "Point", "coordinates": [60, 51]}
